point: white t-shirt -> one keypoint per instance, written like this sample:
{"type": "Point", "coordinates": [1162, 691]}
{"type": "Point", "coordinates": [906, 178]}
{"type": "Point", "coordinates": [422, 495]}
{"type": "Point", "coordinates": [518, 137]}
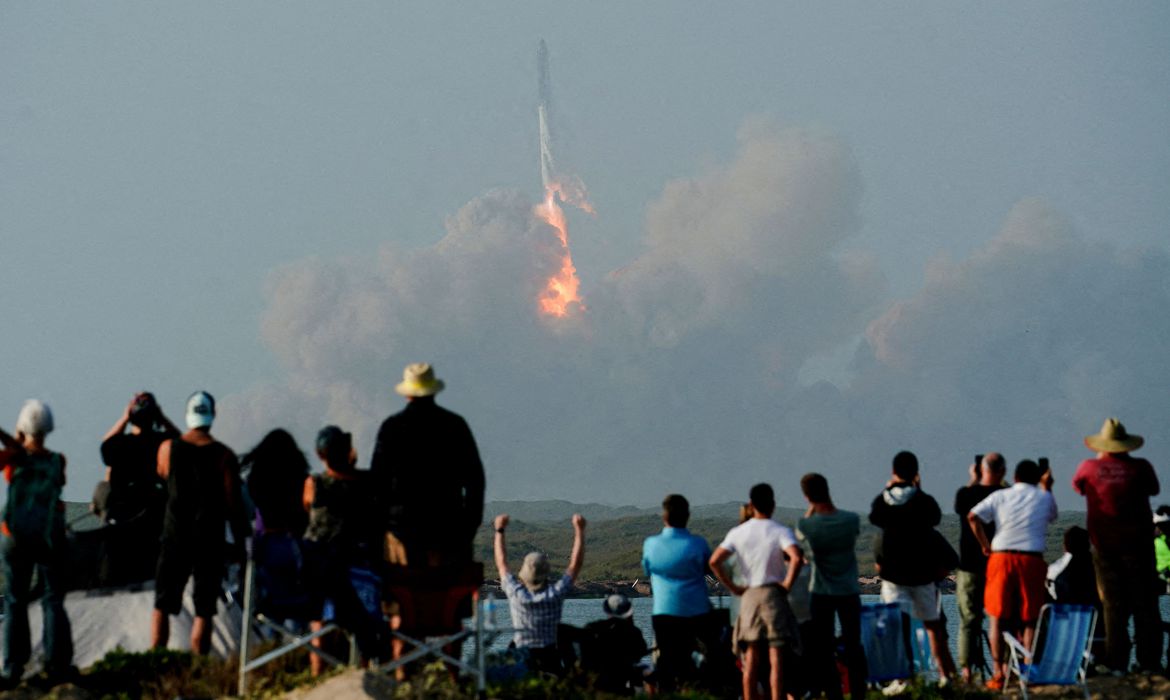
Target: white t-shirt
{"type": "Point", "coordinates": [759, 545]}
{"type": "Point", "coordinates": [1021, 515]}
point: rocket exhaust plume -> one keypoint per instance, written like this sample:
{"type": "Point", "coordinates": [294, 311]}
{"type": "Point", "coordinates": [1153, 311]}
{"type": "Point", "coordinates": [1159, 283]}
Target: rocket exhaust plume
{"type": "Point", "coordinates": [562, 292]}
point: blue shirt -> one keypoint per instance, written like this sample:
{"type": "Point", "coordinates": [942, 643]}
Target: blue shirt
{"type": "Point", "coordinates": [676, 562]}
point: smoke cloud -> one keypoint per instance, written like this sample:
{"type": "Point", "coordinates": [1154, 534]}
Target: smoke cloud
{"type": "Point", "coordinates": [685, 373]}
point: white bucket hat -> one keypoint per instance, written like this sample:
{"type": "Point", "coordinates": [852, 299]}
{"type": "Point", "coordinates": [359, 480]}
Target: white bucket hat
{"type": "Point", "coordinates": [534, 571]}
{"type": "Point", "coordinates": [418, 379]}
{"type": "Point", "coordinates": [35, 418]}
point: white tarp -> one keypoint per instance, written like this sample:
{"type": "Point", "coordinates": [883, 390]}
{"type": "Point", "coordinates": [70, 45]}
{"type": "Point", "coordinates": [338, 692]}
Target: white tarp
{"type": "Point", "coordinates": [105, 620]}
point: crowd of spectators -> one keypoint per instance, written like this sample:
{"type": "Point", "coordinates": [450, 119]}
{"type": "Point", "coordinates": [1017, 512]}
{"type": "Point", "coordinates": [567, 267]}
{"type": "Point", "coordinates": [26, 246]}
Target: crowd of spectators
{"type": "Point", "coordinates": [170, 497]}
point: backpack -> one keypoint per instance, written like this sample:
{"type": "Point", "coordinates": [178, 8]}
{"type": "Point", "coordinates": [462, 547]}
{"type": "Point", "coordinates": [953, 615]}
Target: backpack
{"type": "Point", "coordinates": [33, 513]}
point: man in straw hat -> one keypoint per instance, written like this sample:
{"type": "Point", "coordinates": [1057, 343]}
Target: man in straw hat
{"type": "Point", "coordinates": [534, 602]}
{"type": "Point", "coordinates": [1117, 488]}
{"type": "Point", "coordinates": [428, 474]}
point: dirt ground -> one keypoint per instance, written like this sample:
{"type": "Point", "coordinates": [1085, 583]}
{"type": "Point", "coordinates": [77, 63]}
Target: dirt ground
{"type": "Point", "coordinates": [1131, 687]}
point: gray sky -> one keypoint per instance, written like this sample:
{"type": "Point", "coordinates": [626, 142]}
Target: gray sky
{"type": "Point", "coordinates": [822, 234]}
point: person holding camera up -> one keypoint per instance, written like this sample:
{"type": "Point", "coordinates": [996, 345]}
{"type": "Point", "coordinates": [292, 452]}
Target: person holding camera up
{"type": "Point", "coordinates": [987, 474]}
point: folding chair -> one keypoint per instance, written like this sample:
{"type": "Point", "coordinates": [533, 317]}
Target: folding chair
{"type": "Point", "coordinates": [884, 642]}
{"type": "Point", "coordinates": [430, 620]}
{"type": "Point", "coordinates": [274, 593]}
{"type": "Point", "coordinates": [1060, 653]}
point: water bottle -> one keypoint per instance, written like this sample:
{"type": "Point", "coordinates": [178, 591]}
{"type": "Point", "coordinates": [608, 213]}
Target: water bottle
{"type": "Point", "coordinates": [489, 611]}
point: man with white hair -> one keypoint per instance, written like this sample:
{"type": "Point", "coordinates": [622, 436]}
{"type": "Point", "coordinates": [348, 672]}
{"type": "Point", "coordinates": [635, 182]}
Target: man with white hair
{"type": "Point", "coordinates": [34, 541]}
{"type": "Point", "coordinates": [203, 492]}
{"type": "Point", "coordinates": [535, 603]}
{"type": "Point", "coordinates": [429, 477]}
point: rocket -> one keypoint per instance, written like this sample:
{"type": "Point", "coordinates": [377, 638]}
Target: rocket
{"type": "Point", "coordinates": [544, 99]}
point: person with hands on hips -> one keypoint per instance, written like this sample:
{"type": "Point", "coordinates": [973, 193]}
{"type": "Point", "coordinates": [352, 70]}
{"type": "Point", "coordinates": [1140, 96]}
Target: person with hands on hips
{"type": "Point", "coordinates": [765, 618]}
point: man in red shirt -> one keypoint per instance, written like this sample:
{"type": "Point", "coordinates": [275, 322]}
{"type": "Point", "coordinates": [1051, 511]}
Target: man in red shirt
{"type": "Point", "coordinates": [1117, 489]}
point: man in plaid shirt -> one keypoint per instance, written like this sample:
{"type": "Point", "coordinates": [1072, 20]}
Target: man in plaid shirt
{"type": "Point", "coordinates": [534, 602]}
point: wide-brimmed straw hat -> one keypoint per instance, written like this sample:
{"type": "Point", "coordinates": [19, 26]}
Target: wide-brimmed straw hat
{"type": "Point", "coordinates": [418, 379]}
{"type": "Point", "coordinates": [534, 571]}
{"type": "Point", "coordinates": [1113, 438]}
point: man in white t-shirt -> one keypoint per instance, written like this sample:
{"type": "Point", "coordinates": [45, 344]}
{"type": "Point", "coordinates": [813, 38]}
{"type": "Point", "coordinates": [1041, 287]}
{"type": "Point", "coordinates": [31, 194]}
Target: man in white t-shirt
{"type": "Point", "coordinates": [765, 618]}
{"type": "Point", "coordinates": [1015, 568]}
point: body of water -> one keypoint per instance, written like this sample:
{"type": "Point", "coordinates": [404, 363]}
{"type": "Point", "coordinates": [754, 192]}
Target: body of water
{"type": "Point", "coordinates": [581, 611]}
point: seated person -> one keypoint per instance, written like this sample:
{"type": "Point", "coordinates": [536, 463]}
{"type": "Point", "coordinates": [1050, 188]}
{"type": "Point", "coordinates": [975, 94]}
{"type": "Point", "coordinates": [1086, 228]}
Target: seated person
{"type": "Point", "coordinates": [535, 603]}
{"type": "Point", "coordinates": [613, 647]}
{"type": "Point", "coordinates": [1071, 578]}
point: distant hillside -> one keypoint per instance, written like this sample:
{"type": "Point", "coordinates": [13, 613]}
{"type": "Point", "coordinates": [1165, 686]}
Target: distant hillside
{"type": "Point", "coordinates": [613, 544]}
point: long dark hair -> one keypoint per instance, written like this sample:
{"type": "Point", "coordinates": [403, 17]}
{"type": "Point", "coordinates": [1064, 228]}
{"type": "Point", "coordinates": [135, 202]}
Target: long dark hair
{"type": "Point", "coordinates": [276, 471]}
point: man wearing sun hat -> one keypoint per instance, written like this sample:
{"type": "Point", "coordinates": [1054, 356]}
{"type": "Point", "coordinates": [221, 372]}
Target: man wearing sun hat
{"type": "Point", "coordinates": [429, 477]}
{"type": "Point", "coordinates": [1117, 488]}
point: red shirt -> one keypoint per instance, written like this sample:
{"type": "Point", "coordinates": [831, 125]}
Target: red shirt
{"type": "Point", "coordinates": [1117, 489]}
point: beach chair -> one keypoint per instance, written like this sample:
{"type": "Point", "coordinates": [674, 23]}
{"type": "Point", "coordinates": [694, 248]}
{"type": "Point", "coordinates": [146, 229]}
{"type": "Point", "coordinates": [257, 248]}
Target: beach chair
{"type": "Point", "coordinates": [884, 642]}
{"type": "Point", "coordinates": [431, 604]}
{"type": "Point", "coordinates": [274, 596]}
{"type": "Point", "coordinates": [1060, 653]}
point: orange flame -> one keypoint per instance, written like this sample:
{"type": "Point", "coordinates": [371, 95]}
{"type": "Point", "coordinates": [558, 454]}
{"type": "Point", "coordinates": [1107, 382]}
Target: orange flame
{"type": "Point", "coordinates": [562, 290]}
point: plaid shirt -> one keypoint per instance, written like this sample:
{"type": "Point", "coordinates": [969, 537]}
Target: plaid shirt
{"type": "Point", "coordinates": [535, 616]}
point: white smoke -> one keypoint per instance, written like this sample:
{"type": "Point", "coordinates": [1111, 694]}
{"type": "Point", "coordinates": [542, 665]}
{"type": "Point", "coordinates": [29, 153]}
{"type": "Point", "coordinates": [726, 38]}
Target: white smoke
{"type": "Point", "coordinates": [683, 373]}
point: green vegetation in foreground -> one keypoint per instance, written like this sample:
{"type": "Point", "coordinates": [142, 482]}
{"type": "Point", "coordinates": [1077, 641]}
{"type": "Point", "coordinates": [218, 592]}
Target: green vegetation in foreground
{"type": "Point", "coordinates": [171, 674]}
{"type": "Point", "coordinates": [167, 673]}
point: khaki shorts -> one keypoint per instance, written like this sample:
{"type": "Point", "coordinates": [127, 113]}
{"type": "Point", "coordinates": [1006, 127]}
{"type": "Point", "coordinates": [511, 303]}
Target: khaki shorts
{"type": "Point", "coordinates": [919, 602]}
{"type": "Point", "coordinates": [764, 614]}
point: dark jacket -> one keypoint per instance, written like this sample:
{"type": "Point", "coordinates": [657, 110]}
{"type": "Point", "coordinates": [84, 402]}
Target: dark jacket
{"type": "Point", "coordinates": [907, 518]}
{"type": "Point", "coordinates": [429, 477]}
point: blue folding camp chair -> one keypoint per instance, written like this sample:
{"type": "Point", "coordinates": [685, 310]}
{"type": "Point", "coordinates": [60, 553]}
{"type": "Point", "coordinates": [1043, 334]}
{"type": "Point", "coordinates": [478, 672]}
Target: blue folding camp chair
{"type": "Point", "coordinates": [1060, 653]}
{"type": "Point", "coordinates": [883, 641]}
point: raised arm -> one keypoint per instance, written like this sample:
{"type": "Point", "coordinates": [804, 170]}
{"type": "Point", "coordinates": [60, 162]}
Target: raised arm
{"type": "Point", "coordinates": [577, 558]}
{"type": "Point", "coordinates": [501, 548]}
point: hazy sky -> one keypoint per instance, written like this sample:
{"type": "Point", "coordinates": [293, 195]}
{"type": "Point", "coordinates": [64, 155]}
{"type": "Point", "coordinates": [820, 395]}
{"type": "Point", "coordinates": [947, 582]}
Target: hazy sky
{"type": "Point", "coordinates": [823, 233]}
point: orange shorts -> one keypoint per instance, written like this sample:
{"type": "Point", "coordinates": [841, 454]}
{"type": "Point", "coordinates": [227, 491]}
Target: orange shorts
{"type": "Point", "coordinates": [1015, 586]}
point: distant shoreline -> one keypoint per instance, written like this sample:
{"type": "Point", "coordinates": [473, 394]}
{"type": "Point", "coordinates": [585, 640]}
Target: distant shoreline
{"type": "Point", "coordinates": [640, 588]}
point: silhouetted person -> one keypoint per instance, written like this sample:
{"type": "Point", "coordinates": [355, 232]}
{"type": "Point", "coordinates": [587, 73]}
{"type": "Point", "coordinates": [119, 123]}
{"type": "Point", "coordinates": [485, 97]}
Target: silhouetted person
{"type": "Point", "coordinates": [132, 498]}
{"type": "Point", "coordinates": [429, 476]}
{"type": "Point", "coordinates": [831, 535]}
{"type": "Point", "coordinates": [1117, 488]}
{"type": "Point", "coordinates": [907, 517]}
{"type": "Point", "coordinates": [203, 493]}
{"type": "Point", "coordinates": [34, 542]}
{"type": "Point", "coordinates": [276, 471]}
{"type": "Point", "coordinates": [971, 576]}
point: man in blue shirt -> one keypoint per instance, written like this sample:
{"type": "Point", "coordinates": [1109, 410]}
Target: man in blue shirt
{"type": "Point", "coordinates": [676, 562]}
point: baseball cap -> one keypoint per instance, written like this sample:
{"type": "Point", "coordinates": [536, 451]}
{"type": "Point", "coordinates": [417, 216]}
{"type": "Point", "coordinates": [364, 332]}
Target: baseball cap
{"type": "Point", "coordinates": [200, 410]}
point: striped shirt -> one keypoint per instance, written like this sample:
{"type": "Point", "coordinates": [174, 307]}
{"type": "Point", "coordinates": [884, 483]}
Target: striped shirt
{"type": "Point", "coordinates": [535, 615]}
